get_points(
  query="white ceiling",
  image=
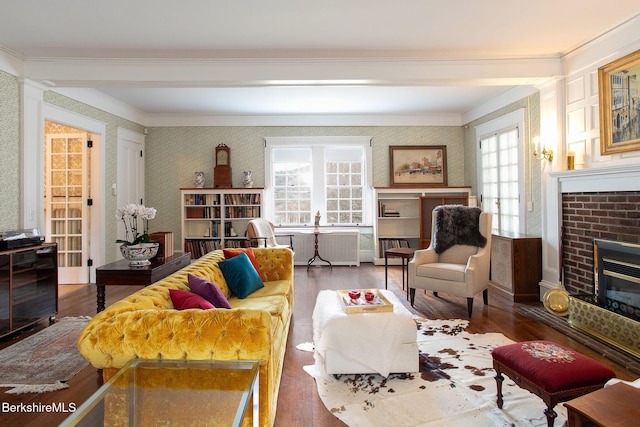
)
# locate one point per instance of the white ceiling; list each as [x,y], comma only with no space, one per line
[297,57]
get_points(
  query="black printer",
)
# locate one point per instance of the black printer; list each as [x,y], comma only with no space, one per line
[20,239]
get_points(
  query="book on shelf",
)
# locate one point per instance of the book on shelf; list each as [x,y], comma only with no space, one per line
[384,211]
[196,213]
[202,199]
[199,248]
[202,212]
[243,212]
[242,199]
[385,243]
[239,242]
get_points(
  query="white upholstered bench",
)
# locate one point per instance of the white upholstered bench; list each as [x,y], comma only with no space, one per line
[363,343]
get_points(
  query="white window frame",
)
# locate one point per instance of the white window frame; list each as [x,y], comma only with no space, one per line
[515,119]
[317,142]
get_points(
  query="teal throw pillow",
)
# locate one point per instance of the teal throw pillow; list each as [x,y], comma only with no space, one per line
[242,278]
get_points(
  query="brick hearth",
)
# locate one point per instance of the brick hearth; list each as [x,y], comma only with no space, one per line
[585,215]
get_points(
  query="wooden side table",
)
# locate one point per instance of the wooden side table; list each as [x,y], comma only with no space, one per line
[616,405]
[119,273]
[405,254]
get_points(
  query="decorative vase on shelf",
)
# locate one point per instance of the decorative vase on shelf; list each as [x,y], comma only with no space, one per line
[140,254]
[199,181]
[247,179]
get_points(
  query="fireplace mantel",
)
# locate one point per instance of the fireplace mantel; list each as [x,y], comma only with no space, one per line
[617,178]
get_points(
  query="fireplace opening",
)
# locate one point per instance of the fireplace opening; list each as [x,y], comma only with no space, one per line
[617,277]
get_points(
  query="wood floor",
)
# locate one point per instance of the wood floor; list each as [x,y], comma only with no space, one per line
[298,403]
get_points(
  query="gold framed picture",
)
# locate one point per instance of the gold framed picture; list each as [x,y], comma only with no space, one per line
[418,166]
[619,87]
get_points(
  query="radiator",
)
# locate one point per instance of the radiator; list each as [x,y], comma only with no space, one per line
[340,247]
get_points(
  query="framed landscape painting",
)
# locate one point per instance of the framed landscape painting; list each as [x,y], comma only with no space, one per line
[418,166]
[619,86]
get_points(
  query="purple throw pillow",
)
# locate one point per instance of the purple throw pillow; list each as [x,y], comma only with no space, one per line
[208,291]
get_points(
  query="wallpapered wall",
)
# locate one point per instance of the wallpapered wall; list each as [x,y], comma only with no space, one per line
[532,169]
[174,154]
[10,152]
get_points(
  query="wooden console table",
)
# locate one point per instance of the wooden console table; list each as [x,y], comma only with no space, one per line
[119,273]
[616,405]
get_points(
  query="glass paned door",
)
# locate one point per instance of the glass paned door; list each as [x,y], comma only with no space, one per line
[65,203]
[500,180]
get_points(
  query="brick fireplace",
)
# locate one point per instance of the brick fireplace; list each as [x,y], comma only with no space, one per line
[608,215]
[601,203]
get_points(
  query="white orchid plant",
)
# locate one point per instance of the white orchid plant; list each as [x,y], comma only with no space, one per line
[130,214]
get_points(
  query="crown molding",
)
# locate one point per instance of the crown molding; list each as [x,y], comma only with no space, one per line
[90,72]
[306,120]
[11,63]
[101,101]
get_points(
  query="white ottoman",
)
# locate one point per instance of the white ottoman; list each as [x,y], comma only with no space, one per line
[363,343]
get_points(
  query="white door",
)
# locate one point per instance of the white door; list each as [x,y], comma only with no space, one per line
[66,203]
[499,186]
[130,172]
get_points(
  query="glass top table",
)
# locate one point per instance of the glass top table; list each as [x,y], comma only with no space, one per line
[174,392]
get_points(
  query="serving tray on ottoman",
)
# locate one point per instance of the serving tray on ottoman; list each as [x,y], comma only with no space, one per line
[379,303]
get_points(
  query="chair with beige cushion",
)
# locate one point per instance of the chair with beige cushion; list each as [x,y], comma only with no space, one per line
[260,233]
[457,260]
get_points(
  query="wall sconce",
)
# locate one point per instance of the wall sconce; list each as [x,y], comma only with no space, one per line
[541,155]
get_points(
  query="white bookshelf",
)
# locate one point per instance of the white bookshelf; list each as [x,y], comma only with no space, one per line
[390,229]
[208,216]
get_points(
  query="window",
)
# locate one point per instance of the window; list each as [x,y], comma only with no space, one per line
[292,185]
[319,174]
[500,172]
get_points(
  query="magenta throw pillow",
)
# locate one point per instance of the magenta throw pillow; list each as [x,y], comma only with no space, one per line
[208,291]
[183,300]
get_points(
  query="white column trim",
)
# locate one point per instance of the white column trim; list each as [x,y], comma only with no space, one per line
[32,155]
[552,130]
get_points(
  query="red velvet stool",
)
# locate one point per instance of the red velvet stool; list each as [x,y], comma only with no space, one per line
[548,370]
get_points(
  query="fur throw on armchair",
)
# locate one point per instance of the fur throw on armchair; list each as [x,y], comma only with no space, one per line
[457,225]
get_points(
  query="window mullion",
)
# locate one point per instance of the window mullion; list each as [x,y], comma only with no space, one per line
[319,184]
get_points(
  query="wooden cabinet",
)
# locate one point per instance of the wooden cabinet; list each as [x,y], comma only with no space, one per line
[217,218]
[431,201]
[516,266]
[28,286]
[399,216]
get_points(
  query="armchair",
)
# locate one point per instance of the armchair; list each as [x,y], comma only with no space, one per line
[260,233]
[457,260]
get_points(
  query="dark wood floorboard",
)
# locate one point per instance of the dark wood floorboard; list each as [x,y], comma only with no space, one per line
[298,402]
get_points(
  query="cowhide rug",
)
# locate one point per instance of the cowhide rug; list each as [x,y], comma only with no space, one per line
[455,386]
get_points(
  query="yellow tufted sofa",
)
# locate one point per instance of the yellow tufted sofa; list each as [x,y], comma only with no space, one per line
[145,324]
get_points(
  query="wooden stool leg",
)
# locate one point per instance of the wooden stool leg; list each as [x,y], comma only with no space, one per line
[499,378]
[551,415]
